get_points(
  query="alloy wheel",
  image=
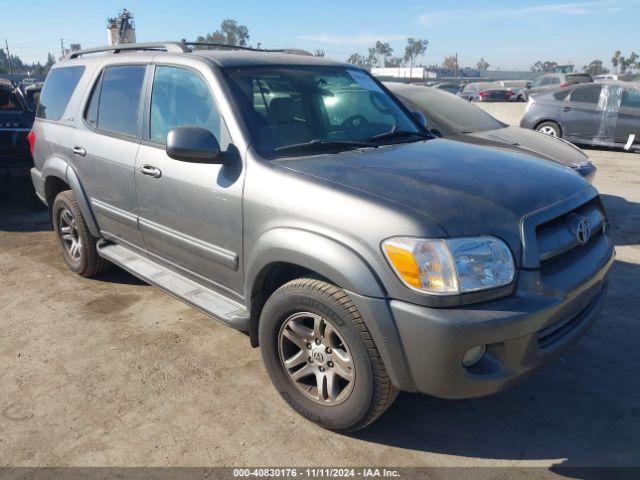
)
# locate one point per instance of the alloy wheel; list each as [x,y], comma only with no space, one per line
[69,234]
[316,358]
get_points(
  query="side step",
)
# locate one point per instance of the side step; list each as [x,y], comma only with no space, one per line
[204,299]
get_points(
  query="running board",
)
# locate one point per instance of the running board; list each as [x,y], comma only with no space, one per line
[204,299]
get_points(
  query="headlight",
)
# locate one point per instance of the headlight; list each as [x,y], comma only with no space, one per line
[450,266]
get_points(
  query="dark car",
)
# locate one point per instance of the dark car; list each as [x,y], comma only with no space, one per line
[553,81]
[451,117]
[16,119]
[486,92]
[447,87]
[601,114]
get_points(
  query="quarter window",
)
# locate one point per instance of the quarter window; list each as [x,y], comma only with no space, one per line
[631,98]
[179,98]
[57,91]
[115,100]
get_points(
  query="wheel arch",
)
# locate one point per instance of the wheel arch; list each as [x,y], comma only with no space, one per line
[58,175]
[283,254]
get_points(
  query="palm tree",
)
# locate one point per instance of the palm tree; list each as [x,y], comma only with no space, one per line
[615,60]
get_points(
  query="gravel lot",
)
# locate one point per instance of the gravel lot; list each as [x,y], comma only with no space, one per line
[111,371]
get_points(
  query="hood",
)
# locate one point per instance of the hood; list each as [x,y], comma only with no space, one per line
[467,189]
[532,142]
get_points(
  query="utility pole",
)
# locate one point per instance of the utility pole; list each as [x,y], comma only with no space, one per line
[61,48]
[8,56]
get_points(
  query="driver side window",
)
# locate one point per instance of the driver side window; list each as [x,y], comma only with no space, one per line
[180,97]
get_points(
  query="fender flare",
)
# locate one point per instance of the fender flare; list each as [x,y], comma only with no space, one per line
[327,257]
[56,167]
[345,267]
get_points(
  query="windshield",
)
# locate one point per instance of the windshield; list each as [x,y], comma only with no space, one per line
[318,108]
[446,113]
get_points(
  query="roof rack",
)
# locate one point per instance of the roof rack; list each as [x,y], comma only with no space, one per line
[170,47]
[177,47]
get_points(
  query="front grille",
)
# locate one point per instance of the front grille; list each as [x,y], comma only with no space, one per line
[560,235]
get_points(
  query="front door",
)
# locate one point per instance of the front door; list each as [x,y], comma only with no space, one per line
[580,115]
[190,213]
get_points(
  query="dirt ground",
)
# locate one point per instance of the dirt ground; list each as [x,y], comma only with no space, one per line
[111,371]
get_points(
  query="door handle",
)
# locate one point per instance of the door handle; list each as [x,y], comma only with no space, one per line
[567,109]
[151,171]
[79,151]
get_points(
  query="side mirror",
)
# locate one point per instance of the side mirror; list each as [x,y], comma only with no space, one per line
[421,118]
[193,144]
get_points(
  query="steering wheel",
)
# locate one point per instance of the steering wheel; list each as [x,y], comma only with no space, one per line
[354,121]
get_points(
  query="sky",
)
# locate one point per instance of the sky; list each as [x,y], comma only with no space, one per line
[510,35]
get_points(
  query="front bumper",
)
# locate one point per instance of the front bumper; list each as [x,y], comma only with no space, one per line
[521,333]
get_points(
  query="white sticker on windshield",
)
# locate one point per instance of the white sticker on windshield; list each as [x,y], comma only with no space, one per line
[364,80]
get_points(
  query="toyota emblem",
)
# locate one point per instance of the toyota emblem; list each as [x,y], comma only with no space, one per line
[583,231]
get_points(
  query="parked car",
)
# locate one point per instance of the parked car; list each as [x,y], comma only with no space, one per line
[451,117]
[553,81]
[294,198]
[448,87]
[602,114]
[605,78]
[514,85]
[485,92]
[16,120]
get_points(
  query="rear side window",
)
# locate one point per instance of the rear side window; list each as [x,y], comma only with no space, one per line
[9,101]
[58,88]
[574,79]
[115,100]
[587,94]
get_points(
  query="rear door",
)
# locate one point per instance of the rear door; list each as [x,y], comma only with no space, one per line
[105,146]
[628,123]
[579,115]
[190,213]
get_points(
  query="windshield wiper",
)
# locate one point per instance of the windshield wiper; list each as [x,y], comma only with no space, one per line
[395,133]
[318,142]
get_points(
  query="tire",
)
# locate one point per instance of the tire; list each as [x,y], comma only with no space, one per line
[550,128]
[76,241]
[302,304]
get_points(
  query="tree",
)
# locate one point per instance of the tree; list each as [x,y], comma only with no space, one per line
[544,67]
[414,48]
[394,62]
[318,53]
[357,59]
[615,60]
[595,68]
[450,63]
[483,65]
[379,54]
[229,33]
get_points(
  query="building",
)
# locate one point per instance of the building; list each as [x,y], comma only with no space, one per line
[121,29]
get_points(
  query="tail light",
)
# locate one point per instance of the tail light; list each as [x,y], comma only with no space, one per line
[32,142]
[563,85]
[483,94]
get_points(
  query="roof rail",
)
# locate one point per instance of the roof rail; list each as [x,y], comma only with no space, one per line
[221,45]
[170,47]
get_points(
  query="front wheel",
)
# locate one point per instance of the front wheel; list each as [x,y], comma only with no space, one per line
[550,128]
[321,357]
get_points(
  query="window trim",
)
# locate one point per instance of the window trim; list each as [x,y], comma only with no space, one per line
[98,80]
[146,121]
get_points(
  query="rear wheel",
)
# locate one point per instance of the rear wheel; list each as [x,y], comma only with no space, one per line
[550,128]
[321,357]
[78,244]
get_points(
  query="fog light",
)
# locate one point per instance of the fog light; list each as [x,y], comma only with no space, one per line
[473,355]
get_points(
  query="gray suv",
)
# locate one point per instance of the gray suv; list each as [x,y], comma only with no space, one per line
[295,199]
